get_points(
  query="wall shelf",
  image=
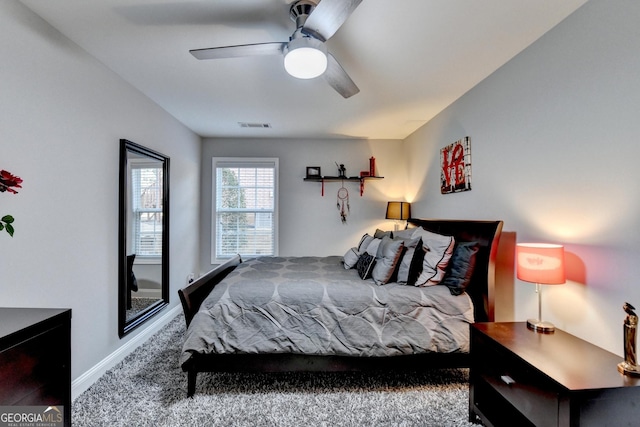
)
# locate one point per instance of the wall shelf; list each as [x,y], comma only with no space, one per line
[361,180]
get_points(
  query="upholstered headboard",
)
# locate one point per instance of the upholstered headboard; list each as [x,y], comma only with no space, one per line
[481,287]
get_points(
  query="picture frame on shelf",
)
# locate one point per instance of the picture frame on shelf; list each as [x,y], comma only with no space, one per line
[313,172]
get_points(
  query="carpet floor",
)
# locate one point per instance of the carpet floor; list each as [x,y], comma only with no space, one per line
[148,388]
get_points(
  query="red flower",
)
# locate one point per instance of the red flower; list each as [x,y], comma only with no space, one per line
[8,180]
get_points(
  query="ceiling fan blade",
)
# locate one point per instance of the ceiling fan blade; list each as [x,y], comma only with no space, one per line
[328,16]
[339,79]
[274,48]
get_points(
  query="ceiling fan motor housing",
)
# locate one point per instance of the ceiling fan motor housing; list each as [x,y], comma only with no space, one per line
[300,11]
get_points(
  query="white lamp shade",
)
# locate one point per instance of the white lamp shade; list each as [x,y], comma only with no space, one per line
[305,58]
[540,263]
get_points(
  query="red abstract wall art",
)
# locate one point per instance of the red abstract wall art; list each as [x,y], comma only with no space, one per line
[455,167]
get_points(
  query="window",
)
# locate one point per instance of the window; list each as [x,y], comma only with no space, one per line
[244,207]
[146,209]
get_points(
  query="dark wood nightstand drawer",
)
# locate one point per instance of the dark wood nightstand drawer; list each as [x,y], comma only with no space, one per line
[535,396]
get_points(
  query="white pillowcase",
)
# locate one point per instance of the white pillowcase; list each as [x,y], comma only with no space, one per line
[438,251]
[350,258]
[367,244]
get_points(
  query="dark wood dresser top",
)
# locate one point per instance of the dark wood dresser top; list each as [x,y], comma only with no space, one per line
[14,321]
[568,360]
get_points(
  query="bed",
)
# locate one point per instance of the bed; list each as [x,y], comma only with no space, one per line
[276,314]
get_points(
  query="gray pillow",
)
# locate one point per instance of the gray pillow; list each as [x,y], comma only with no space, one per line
[379,234]
[387,258]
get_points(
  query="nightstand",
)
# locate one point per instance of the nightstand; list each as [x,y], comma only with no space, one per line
[524,378]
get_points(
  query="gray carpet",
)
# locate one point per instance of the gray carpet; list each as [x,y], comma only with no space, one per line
[148,388]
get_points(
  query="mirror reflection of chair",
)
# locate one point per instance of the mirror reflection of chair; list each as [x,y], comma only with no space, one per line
[132,283]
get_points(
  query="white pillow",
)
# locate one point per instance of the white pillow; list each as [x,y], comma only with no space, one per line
[438,251]
[350,258]
[364,242]
[372,248]
[406,234]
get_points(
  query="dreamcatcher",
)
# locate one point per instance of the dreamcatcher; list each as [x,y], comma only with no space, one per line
[343,201]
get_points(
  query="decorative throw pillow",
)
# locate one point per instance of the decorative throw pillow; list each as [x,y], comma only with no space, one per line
[372,248]
[438,251]
[379,234]
[364,243]
[386,259]
[461,267]
[406,261]
[350,258]
[406,234]
[365,265]
[415,269]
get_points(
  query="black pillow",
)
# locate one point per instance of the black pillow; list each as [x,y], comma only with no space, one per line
[365,265]
[461,266]
[415,268]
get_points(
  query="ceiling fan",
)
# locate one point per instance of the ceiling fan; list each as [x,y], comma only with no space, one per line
[305,54]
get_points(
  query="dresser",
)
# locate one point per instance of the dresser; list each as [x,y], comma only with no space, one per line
[524,378]
[35,358]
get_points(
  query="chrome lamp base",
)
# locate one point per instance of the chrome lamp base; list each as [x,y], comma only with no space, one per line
[540,326]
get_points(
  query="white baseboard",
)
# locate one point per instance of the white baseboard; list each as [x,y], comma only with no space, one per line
[84,381]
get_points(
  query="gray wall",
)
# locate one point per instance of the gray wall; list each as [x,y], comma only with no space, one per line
[309,223]
[62,114]
[555,155]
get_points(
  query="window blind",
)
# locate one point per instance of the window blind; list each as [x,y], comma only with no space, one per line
[146,202]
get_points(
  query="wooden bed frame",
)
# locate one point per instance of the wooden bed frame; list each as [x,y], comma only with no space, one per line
[480,289]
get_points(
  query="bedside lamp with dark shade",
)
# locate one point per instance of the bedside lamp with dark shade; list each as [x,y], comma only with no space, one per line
[542,264]
[398,211]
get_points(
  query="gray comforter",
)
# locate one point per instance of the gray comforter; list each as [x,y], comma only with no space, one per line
[312,305]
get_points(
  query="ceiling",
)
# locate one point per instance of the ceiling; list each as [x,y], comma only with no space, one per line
[410,59]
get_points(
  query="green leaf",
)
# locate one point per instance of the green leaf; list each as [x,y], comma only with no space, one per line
[8,219]
[10,229]
[1,226]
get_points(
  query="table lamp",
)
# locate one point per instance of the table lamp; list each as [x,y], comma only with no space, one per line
[542,264]
[398,211]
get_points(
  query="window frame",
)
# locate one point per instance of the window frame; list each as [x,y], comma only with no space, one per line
[250,162]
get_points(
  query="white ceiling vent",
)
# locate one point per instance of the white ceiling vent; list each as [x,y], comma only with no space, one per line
[255,125]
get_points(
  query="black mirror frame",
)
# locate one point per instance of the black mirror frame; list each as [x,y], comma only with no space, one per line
[125,326]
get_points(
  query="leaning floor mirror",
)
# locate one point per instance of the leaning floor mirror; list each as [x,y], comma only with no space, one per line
[143,257]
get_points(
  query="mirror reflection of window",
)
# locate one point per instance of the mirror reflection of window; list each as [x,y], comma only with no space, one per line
[146,205]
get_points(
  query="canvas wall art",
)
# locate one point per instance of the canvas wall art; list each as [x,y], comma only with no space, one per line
[455,167]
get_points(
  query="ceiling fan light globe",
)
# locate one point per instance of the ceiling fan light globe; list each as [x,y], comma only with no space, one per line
[305,57]
[305,62]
